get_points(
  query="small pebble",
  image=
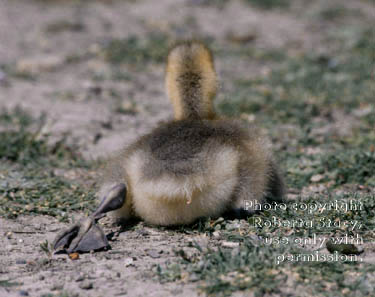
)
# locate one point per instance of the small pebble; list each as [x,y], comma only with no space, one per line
[232,226]
[86,285]
[74,256]
[153,254]
[129,262]
[216,234]
[95,90]
[194,277]
[218,221]
[316,178]
[23,293]
[230,244]
[20,261]
[57,287]
[80,278]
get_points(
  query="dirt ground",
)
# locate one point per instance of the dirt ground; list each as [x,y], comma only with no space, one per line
[57,44]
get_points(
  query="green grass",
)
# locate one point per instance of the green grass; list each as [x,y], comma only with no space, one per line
[16,117]
[302,87]
[44,193]
[136,51]
[338,164]
[305,92]
[6,283]
[351,167]
[29,184]
[251,53]
[220,271]
[225,271]
[22,145]
[336,12]
[269,4]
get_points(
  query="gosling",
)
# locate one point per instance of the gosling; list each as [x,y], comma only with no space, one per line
[197,165]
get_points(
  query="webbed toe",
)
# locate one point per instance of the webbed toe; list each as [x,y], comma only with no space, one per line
[84,236]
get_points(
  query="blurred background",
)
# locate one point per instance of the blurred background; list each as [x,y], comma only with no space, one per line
[81,79]
[89,76]
[96,68]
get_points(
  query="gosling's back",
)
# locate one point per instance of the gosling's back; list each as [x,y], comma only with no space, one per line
[196,165]
[182,171]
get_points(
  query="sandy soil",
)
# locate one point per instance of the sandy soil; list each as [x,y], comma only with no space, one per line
[122,271]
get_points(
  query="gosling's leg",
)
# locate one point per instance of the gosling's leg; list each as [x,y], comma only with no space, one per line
[86,235]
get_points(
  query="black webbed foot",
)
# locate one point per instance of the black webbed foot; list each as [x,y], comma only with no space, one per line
[86,235]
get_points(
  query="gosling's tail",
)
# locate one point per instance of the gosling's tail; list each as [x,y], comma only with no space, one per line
[191,81]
